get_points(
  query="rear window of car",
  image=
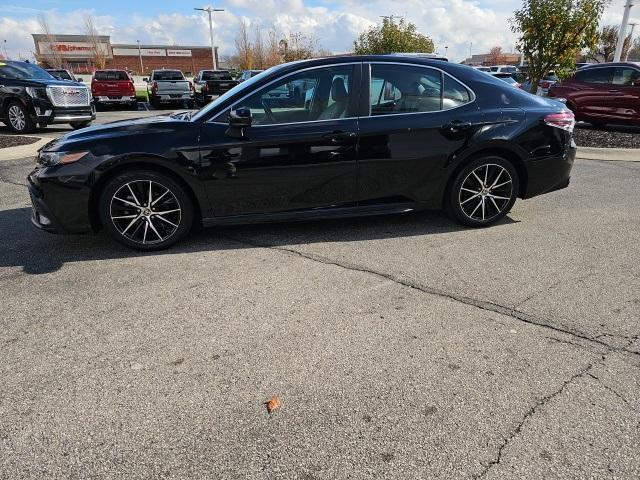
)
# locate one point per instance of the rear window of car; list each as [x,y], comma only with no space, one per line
[595,75]
[216,76]
[110,76]
[168,75]
[60,74]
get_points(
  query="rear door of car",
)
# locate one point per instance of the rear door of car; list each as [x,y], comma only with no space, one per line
[296,156]
[625,91]
[418,116]
[592,92]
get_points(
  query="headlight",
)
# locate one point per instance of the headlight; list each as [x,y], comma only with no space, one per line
[58,158]
[35,92]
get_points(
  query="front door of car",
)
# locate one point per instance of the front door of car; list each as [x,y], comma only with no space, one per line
[299,153]
[593,96]
[625,91]
[418,117]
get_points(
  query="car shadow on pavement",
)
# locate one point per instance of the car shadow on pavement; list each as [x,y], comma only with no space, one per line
[37,252]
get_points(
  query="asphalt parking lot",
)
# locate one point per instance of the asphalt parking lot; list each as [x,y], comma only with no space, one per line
[400,346]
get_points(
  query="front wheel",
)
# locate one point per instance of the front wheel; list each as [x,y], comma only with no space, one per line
[18,118]
[145,210]
[482,192]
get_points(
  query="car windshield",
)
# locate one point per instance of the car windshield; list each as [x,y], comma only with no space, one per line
[23,71]
[110,76]
[246,85]
[221,75]
[61,74]
[167,75]
[506,78]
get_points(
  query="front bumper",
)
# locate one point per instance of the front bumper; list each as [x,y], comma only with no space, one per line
[60,198]
[45,113]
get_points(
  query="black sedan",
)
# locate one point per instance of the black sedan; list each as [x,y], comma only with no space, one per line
[368,135]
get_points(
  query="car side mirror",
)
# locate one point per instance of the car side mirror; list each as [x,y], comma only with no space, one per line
[80,80]
[145,80]
[239,119]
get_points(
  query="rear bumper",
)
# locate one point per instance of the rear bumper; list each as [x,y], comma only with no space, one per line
[172,97]
[115,100]
[548,174]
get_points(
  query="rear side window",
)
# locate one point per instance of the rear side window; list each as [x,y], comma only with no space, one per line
[168,75]
[111,76]
[410,89]
[626,76]
[595,75]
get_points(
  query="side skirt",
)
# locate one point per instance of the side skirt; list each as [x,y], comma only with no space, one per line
[311,214]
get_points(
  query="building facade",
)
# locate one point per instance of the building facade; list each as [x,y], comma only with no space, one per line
[80,54]
[487,59]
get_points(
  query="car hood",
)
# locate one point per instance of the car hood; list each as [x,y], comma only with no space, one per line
[32,82]
[100,133]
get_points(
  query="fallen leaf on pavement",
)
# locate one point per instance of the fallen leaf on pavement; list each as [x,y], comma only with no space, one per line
[273,404]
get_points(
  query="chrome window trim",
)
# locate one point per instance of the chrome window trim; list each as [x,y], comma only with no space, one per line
[280,78]
[442,72]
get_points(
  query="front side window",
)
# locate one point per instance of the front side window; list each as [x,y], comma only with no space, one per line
[626,76]
[318,94]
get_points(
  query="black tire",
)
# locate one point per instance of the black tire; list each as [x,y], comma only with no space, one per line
[154,103]
[144,228]
[79,125]
[18,118]
[498,193]
[134,106]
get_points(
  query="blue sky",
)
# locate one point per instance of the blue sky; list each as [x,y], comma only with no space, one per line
[456,24]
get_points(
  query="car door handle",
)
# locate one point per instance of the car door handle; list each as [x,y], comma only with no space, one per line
[458,126]
[339,137]
[614,91]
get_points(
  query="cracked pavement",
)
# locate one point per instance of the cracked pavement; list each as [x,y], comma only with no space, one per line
[400,346]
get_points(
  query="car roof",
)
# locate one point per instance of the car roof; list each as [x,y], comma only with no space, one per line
[610,64]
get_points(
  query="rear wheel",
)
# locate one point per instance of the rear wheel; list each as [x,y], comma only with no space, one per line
[482,192]
[145,210]
[18,118]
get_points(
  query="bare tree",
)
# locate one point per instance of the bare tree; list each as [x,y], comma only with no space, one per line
[258,48]
[98,52]
[244,53]
[53,57]
[606,46]
[272,54]
[299,47]
[496,57]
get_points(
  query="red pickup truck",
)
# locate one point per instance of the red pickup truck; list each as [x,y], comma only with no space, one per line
[113,87]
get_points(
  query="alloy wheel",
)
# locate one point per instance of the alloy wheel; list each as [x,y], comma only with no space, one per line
[17,118]
[145,212]
[486,192]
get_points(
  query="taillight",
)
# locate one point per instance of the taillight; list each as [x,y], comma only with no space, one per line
[132,89]
[565,121]
[154,87]
[205,88]
[191,86]
[545,84]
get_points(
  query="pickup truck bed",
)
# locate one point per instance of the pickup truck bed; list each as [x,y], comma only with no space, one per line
[210,83]
[169,87]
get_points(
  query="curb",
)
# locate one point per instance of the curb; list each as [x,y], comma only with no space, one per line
[23,151]
[609,154]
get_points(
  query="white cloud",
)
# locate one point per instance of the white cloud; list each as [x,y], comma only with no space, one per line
[450,23]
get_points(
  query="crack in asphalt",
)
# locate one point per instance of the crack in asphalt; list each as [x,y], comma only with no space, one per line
[528,414]
[612,390]
[481,304]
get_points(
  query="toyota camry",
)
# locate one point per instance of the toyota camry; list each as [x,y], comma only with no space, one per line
[323,138]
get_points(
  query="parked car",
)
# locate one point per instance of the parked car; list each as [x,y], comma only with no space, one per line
[31,97]
[169,87]
[543,85]
[603,93]
[504,69]
[209,83]
[63,74]
[247,74]
[483,69]
[432,134]
[113,87]
[507,78]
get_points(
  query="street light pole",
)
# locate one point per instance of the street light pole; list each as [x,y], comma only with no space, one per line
[210,10]
[623,30]
[140,56]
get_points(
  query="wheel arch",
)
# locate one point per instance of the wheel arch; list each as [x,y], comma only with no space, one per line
[133,164]
[499,151]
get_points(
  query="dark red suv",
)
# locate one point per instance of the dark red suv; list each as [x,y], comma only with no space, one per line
[603,93]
